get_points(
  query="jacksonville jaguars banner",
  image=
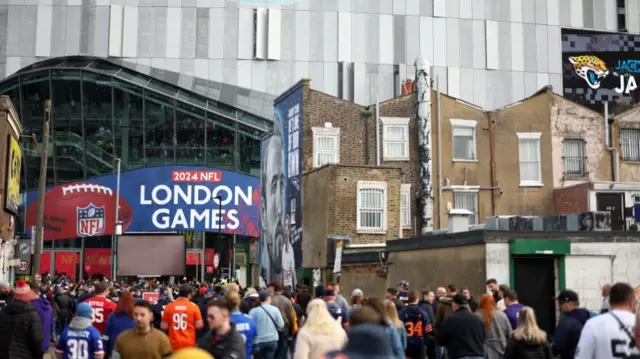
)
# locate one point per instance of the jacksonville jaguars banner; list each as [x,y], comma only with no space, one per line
[154,199]
[600,67]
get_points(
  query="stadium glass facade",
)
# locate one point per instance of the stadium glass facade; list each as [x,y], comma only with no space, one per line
[102,111]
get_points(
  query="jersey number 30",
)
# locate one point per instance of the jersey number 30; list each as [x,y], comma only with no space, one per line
[78,349]
[180,321]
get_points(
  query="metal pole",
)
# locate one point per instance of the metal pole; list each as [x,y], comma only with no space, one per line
[232,274]
[219,199]
[117,220]
[35,267]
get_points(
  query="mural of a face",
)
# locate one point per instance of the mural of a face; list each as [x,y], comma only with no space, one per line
[272,205]
[287,231]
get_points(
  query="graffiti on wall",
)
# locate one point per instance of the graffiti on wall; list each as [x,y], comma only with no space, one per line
[600,67]
[281,192]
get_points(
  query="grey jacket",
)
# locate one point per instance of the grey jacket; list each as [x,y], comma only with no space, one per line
[497,336]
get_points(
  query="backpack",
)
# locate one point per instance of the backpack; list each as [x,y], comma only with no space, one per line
[293,330]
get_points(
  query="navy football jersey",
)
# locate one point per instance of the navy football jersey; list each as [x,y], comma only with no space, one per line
[158,309]
[418,326]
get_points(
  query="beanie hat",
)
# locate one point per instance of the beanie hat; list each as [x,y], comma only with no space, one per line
[329,291]
[23,292]
[84,310]
[191,353]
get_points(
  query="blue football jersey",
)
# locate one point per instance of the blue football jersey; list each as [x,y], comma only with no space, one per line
[247,327]
[80,344]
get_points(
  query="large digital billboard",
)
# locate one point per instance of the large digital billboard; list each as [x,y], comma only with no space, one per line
[281,202]
[600,67]
[155,199]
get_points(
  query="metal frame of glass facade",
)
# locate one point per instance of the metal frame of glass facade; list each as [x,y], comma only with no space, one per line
[102,111]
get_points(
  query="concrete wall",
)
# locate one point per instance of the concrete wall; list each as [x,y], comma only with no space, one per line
[497,256]
[315,222]
[592,264]
[532,115]
[569,120]
[462,266]
[362,276]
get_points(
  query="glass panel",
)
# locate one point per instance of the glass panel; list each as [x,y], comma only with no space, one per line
[371,208]
[67,125]
[11,88]
[396,133]
[128,123]
[159,131]
[249,157]
[98,125]
[190,135]
[463,147]
[468,201]
[220,143]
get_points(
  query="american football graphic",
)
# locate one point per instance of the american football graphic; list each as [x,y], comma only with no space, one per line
[80,209]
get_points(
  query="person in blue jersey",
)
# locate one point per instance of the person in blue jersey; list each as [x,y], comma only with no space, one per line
[158,308]
[418,325]
[244,325]
[80,339]
[119,321]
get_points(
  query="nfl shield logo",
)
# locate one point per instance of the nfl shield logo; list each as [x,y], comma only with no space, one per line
[90,221]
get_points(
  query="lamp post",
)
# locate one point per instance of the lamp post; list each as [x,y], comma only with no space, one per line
[42,188]
[118,225]
[219,199]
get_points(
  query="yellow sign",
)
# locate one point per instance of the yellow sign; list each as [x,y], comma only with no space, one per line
[14,163]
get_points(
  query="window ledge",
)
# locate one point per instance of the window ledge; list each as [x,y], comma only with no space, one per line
[371,231]
[463,160]
[631,162]
[405,227]
[531,184]
[395,159]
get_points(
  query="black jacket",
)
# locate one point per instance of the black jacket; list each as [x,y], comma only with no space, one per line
[65,304]
[21,334]
[5,299]
[527,350]
[230,346]
[568,332]
[462,333]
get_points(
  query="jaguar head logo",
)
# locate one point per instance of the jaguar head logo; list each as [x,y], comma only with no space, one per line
[590,68]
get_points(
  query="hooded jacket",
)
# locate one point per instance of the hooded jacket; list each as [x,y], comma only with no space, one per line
[21,333]
[443,310]
[229,346]
[568,332]
[116,324]
[65,304]
[43,307]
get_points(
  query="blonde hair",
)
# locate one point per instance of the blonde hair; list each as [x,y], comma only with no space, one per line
[392,313]
[528,329]
[319,320]
[232,288]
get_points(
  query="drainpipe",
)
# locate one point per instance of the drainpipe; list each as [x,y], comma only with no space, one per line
[492,154]
[423,82]
[615,159]
[377,130]
[438,113]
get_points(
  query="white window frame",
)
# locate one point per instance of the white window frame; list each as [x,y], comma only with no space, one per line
[389,122]
[325,132]
[531,136]
[377,185]
[458,123]
[405,192]
[469,190]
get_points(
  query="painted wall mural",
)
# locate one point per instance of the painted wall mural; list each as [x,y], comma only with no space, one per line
[600,67]
[281,196]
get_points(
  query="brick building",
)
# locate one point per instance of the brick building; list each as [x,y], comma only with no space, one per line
[540,156]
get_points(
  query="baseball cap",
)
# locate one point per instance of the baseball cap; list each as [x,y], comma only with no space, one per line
[404,284]
[568,296]
[357,293]
[334,309]
[459,299]
[329,291]
[162,290]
